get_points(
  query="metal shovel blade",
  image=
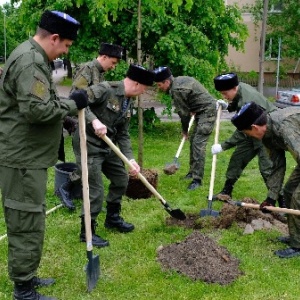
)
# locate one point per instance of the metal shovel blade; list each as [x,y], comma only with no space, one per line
[176,213]
[92,270]
[209,211]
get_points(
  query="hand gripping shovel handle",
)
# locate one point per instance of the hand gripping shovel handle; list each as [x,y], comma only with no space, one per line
[183,139]
[174,213]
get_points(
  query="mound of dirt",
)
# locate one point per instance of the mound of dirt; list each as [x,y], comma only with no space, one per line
[200,257]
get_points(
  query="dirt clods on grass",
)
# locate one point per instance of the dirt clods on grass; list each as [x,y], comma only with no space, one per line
[200,257]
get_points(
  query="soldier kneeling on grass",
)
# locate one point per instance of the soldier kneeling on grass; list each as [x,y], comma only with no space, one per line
[279,132]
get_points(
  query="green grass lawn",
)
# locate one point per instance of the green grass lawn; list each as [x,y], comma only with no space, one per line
[129,269]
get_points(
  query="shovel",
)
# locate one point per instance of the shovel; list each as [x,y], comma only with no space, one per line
[171,168]
[209,211]
[270,208]
[93,266]
[175,213]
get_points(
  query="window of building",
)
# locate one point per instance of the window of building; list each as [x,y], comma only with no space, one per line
[272,48]
[276,7]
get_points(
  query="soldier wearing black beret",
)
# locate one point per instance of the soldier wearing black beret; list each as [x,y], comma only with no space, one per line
[31,124]
[110,107]
[246,148]
[279,132]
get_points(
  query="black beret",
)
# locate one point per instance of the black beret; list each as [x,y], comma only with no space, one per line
[111,50]
[162,73]
[60,23]
[247,116]
[225,82]
[140,74]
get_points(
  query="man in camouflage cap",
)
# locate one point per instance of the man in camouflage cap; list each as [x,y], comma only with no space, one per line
[279,132]
[30,128]
[110,111]
[246,148]
[89,74]
[191,98]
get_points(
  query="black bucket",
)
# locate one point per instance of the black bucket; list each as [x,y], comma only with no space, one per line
[62,173]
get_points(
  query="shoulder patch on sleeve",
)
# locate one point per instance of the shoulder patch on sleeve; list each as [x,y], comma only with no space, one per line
[39,89]
[81,82]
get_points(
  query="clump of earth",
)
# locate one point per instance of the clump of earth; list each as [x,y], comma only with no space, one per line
[200,257]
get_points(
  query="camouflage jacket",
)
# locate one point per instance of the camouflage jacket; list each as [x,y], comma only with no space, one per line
[282,135]
[190,96]
[245,94]
[31,111]
[109,104]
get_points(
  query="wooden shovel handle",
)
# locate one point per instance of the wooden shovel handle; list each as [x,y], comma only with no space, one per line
[214,158]
[183,139]
[272,208]
[108,141]
[85,180]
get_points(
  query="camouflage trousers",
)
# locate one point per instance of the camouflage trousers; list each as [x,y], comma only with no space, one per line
[198,142]
[244,152]
[23,198]
[292,198]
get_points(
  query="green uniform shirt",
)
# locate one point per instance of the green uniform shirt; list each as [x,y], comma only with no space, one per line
[31,111]
[282,135]
[107,101]
[245,94]
[190,96]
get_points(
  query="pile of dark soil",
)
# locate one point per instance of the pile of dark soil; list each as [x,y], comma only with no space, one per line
[136,189]
[199,256]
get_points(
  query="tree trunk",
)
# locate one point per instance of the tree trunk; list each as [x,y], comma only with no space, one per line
[262,47]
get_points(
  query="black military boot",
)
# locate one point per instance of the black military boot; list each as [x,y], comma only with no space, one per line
[64,194]
[97,240]
[281,201]
[194,184]
[25,291]
[225,194]
[113,219]
[41,282]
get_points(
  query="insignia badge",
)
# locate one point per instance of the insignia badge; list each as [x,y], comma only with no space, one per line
[38,89]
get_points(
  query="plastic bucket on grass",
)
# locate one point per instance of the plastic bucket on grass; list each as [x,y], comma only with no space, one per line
[62,173]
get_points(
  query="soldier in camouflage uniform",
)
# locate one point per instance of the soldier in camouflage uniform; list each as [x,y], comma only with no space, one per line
[239,93]
[30,126]
[191,98]
[279,132]
[110,111]
[90,73]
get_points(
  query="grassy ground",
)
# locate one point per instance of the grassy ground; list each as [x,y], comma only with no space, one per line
[129,269]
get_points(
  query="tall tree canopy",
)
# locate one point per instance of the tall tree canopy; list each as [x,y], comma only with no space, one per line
[191,36]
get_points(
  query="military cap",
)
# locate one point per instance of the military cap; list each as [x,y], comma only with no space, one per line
[225,82]
[140,74]
[247,116]
[111,50]
[60,23]
[162,73]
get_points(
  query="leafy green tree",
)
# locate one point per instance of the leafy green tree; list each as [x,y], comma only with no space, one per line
[283,22]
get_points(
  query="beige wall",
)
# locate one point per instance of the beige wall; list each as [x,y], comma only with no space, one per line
[249,59]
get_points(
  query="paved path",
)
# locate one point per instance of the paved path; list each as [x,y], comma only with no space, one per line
[147,100]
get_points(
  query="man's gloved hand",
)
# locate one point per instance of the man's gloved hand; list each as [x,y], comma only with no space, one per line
[268,202]
[216,148]
[81,98]
[70,124]
[223,103]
